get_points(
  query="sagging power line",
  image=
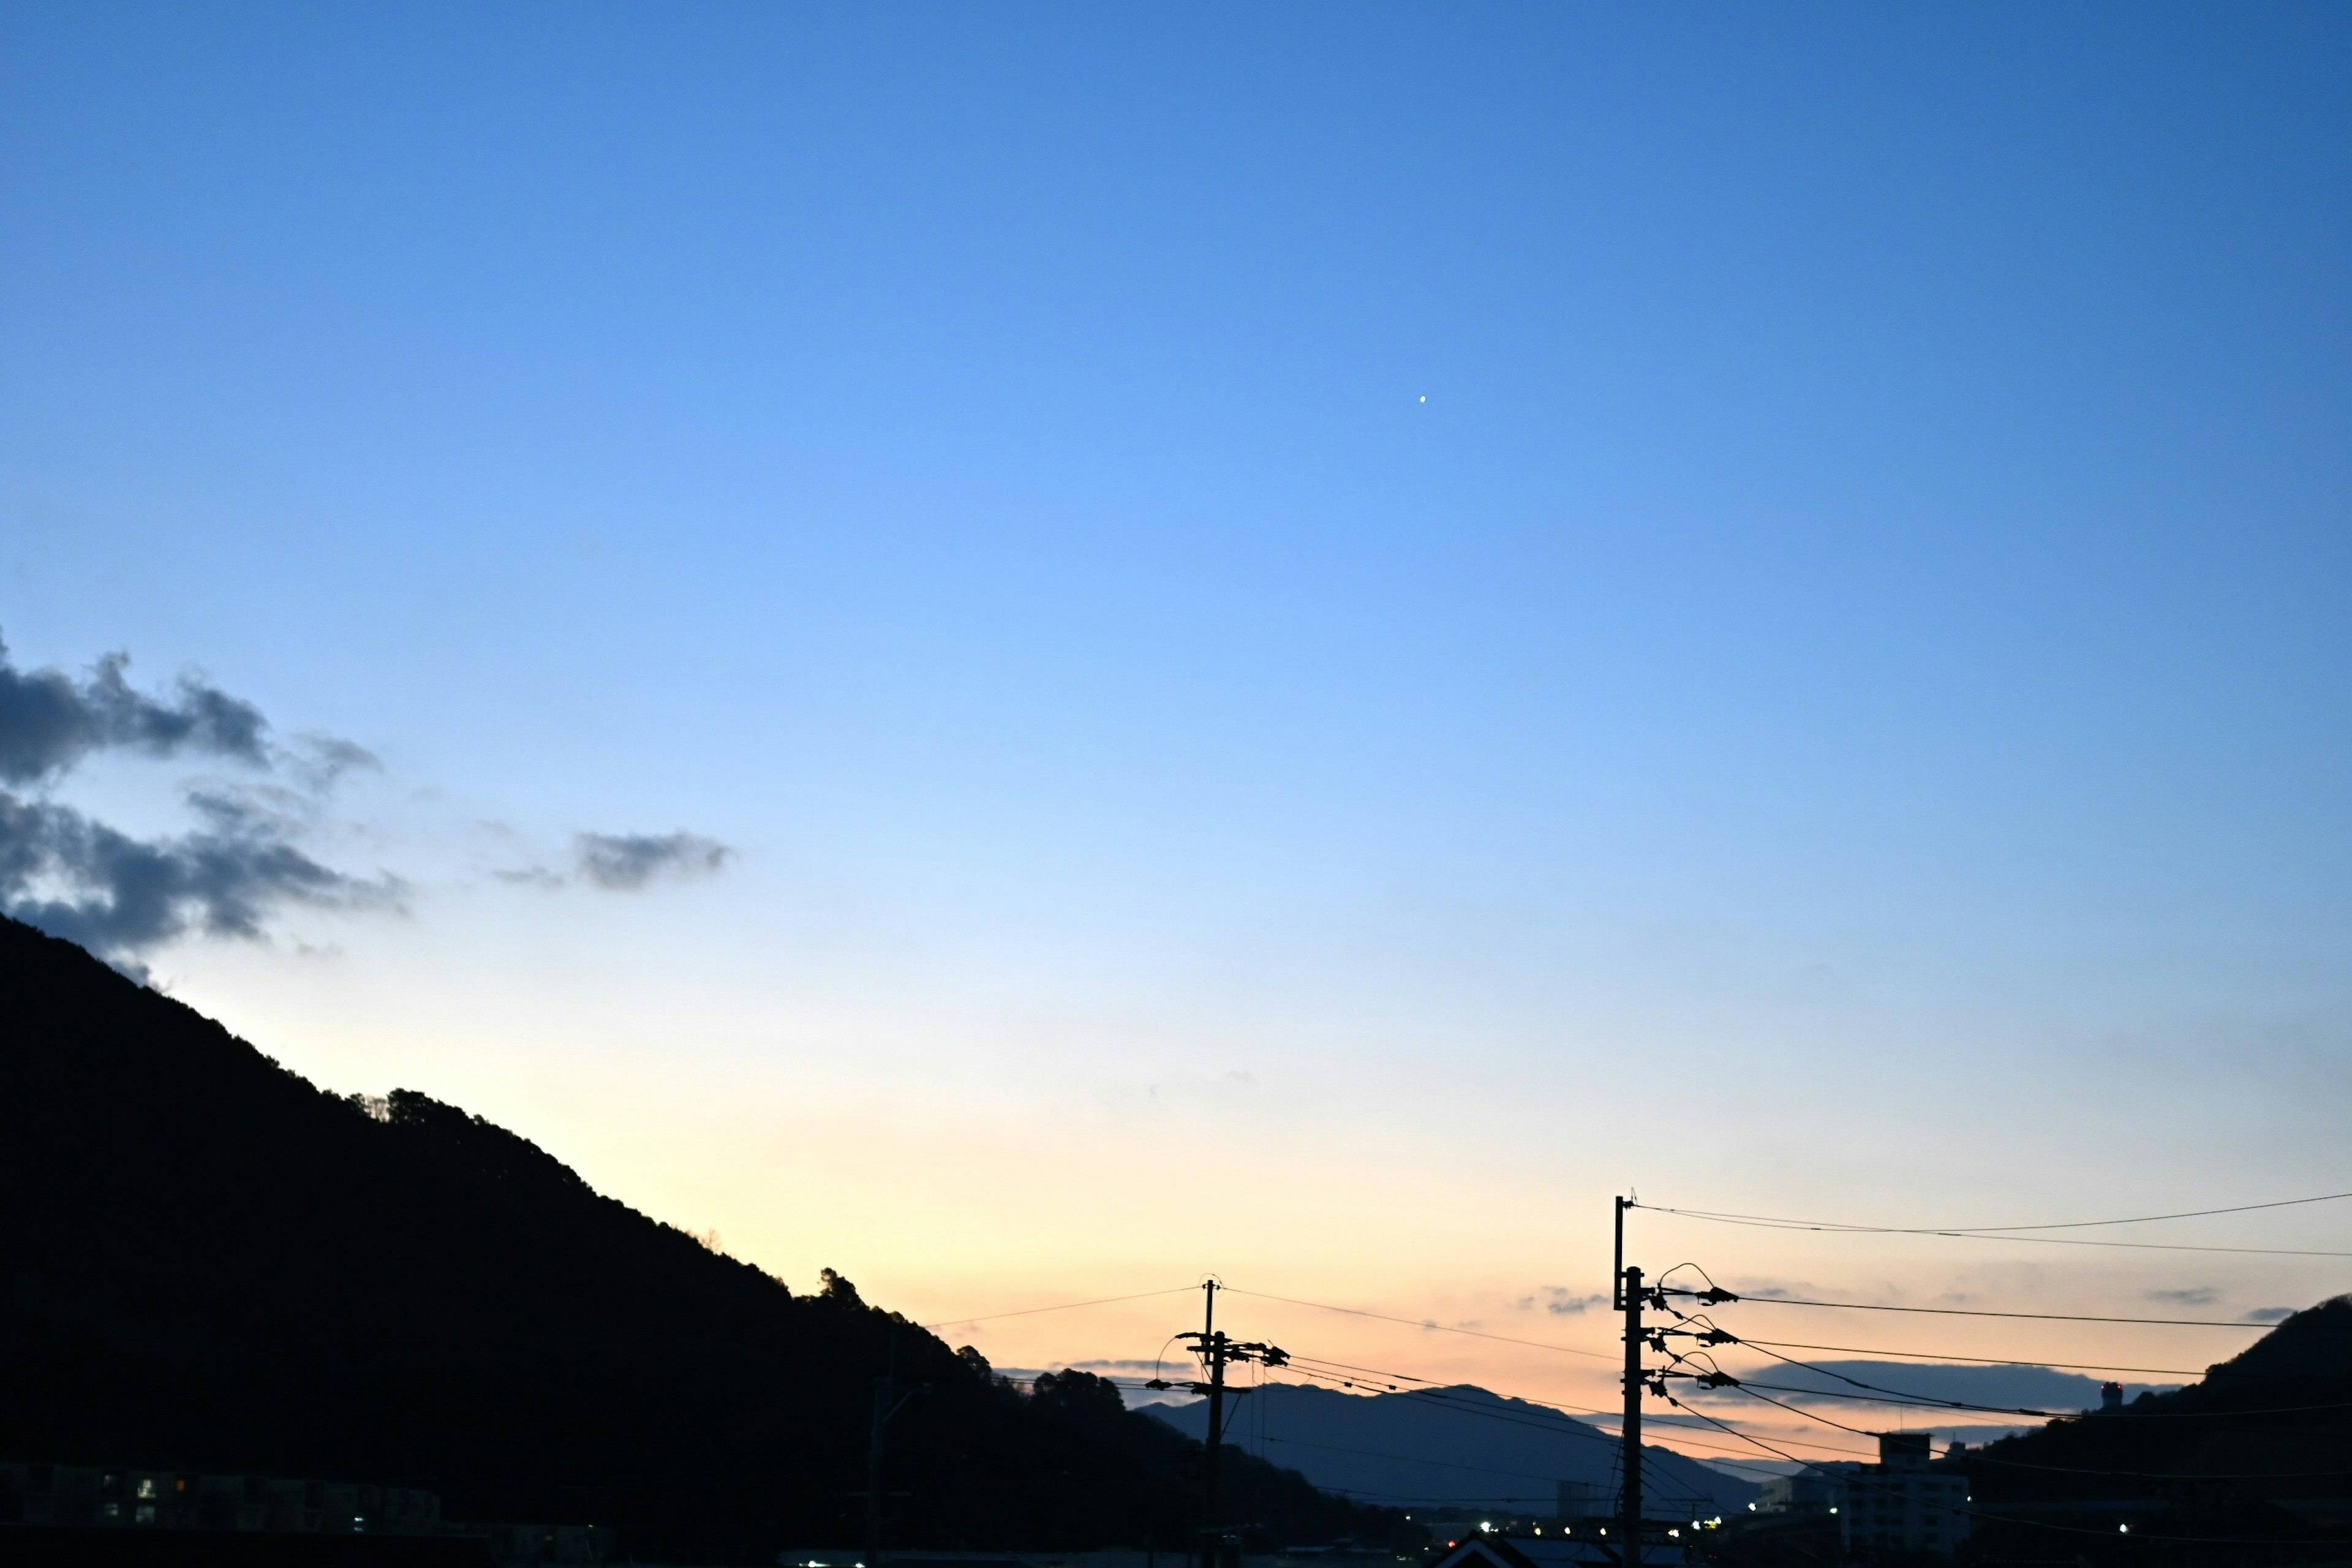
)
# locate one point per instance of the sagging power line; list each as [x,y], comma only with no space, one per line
[1981,1229]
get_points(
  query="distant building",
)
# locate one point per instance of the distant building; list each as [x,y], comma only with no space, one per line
[111,1497]
[1811,1493]
[107,1497]
[1586,1500]
[1905,1502]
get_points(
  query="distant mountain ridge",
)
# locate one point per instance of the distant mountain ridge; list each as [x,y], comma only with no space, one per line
[1461,1447]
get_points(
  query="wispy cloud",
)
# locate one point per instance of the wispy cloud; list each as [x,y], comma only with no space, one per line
[624,862]
[2270,1314]
[1559,1301]
[2188,1295]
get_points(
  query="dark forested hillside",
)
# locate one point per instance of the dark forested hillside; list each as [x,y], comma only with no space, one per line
[209,1263]
[2256,1455]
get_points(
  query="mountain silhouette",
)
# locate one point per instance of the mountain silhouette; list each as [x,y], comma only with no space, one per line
[1458,1448]
[211,1265]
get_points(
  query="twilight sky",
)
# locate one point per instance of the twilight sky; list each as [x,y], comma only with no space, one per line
[1029,651]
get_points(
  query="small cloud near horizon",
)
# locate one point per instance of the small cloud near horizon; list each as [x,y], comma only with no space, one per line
[1559,1301]
[2270,1314]
[2189,1296]
[624,862]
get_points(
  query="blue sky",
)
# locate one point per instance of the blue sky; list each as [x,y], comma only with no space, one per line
[1317,587]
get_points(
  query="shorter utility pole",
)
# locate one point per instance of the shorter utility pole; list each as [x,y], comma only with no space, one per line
[887,1403]
[1217,1351]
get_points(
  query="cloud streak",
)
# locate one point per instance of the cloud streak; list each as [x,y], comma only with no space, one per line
[2187,1296]
[624,862]
[1559,1301]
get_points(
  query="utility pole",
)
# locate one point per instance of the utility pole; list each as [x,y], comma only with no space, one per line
[1214,1343]
[1218,1350]
[1626,1281]
[887,1403]
[1630,1297]
[1629,1510]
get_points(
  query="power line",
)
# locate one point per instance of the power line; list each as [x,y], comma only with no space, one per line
[1862,1481]
[1968,1229]
[1829,1229]
[1759,1443]
[1420,1323]
[1306,1364]
[1565,1426]
[1749,1389]
[1879,1396]
[1980,1313]
[1411,1459]
[1433,1501]
[1974,1512]
[1874,1388]
[1979,1359]
[1063,1307]
[1562,1426]
[1989,1236]
[2045,1414]
[1566,1423]
[1913,1403]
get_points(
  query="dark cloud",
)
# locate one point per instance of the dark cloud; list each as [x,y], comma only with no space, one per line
[1559,1301]
[624,862]
[2189,1296]
[49,722]
[119,896]
[2270,1314]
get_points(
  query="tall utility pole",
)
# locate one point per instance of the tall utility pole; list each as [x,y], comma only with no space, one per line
[1627,1284]
[1217,1351]
[1629,1509]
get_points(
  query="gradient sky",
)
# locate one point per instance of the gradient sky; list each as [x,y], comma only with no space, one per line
[1320,634]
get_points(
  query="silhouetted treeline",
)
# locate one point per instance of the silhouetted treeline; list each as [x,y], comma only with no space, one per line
[209,1263]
